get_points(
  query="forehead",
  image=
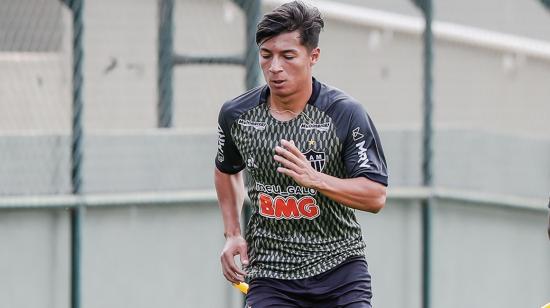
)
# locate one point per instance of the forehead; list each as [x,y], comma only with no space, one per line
[283,42]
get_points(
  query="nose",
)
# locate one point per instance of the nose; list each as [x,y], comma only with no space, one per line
[275,66]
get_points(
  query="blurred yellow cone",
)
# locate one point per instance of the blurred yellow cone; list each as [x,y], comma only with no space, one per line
[243,287]
[546,306]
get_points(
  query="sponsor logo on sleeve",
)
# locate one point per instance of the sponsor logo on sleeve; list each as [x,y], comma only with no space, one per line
[253,124]
[221,143]
[362,153]
[356,134]
[322,127]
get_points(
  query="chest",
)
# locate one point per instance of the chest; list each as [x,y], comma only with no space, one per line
[257,134]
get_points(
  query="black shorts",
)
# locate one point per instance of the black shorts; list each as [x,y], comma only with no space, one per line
[347,285]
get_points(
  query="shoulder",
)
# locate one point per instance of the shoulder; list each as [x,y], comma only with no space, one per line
[337,103]
[235,107]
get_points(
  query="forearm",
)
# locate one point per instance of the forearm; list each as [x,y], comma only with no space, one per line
[230,191]
[358,193]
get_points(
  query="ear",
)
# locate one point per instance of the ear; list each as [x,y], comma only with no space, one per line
[314,55]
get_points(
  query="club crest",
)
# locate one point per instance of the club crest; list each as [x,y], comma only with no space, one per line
[316,159]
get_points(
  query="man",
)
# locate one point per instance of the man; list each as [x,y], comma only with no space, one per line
[312,157]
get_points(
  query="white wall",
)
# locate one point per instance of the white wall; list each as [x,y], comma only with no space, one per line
[168,255]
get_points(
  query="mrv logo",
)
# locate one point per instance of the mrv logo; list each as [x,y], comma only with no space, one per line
[221,143]
[288,208]
[362,153]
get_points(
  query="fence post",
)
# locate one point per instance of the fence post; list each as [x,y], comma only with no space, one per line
[427,153]
[252,9]
[165,63]
[77,212]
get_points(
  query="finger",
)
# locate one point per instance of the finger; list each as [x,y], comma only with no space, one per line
[288,155]
[232,276]
[291,146]
[238,278]
[288,172]
[244,255]
[226,272]
[229,277]
[231,267]
[286,163]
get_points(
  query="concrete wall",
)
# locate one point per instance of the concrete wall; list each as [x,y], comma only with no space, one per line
[34,259]
[173,160]
[133,257]
[160,255]
[490,257]
[163,256]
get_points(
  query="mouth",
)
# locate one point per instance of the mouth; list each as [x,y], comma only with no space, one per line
[277,82]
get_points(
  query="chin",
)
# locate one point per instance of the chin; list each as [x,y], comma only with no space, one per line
[285,91]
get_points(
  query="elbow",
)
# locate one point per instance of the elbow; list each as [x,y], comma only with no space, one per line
[379,201]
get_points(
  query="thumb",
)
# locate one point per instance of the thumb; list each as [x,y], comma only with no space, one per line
[244,255]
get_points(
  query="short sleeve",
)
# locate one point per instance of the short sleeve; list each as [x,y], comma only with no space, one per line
[362,150]
[228,158]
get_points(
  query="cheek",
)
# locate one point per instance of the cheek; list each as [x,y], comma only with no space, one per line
[264,64]
[265,69]
[299,69]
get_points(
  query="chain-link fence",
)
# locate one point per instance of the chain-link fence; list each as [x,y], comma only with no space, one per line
[125,78]
[126,59]
[35,102]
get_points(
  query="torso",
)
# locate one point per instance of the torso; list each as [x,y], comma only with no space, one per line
[294,232]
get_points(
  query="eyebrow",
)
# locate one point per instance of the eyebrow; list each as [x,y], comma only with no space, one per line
[284,51]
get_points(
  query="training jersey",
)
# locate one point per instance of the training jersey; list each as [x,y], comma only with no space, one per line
[295,232]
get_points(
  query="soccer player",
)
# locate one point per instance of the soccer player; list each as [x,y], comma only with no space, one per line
[313,157]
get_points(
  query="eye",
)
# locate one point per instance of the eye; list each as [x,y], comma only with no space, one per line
[265,56]
[289,57]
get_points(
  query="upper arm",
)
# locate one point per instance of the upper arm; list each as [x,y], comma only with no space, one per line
[362,150]
[228,158]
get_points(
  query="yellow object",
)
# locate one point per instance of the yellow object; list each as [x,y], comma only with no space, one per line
[546,306]
[243,287]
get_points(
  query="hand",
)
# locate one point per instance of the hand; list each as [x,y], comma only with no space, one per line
[296,165]
[234,245]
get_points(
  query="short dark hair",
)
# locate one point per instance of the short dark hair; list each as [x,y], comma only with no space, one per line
[290,17]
